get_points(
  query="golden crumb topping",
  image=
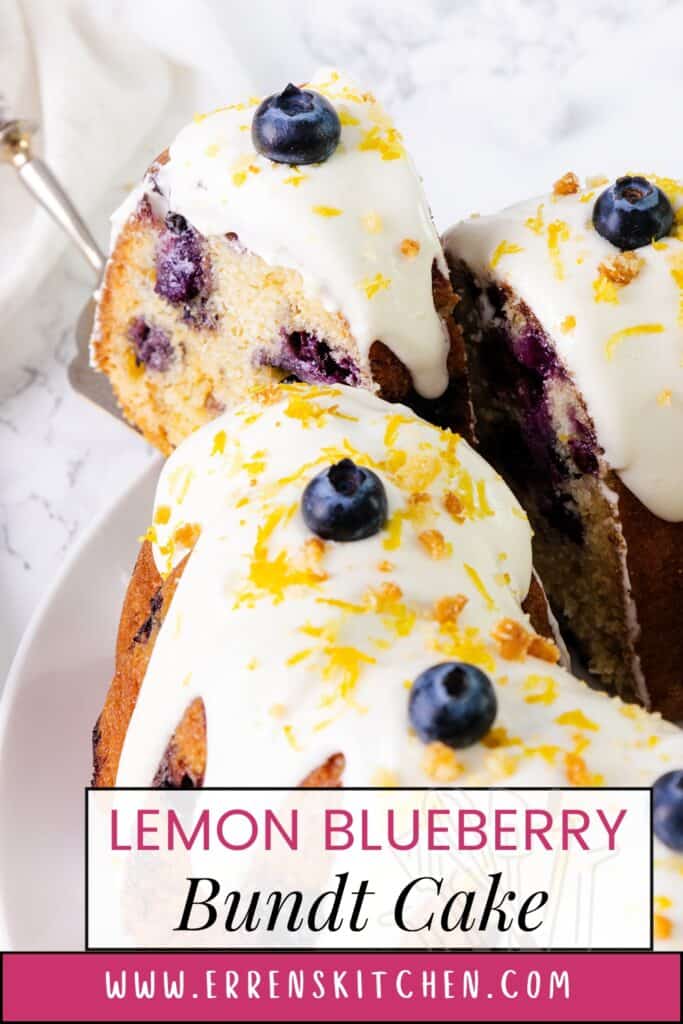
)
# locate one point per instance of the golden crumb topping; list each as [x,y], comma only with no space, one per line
[435,544]
[622,268]
[447,609]
[567,185]
[409,247]
[515,642]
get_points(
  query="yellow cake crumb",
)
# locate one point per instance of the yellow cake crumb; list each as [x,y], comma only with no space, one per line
[568,324]
[134,366]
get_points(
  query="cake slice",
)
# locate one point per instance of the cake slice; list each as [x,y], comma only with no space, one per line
[284,237]
[331,593]
[571,307]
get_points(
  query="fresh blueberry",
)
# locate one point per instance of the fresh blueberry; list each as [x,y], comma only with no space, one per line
[296,126]
[667,815]
[345,502]
[454,703]
[152,346]
[180,275]
[631,213]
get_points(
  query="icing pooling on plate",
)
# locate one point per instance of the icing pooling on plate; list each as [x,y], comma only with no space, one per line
[300,651]
[357,227]
[622,343]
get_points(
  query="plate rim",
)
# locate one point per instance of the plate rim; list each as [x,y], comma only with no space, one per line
[18,662]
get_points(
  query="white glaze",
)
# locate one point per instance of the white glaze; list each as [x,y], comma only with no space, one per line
[634,388]
[341,223]
[271,718]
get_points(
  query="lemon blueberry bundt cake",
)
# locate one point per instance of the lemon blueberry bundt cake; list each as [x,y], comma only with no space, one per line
[290,236]
[386,564]
[573,314]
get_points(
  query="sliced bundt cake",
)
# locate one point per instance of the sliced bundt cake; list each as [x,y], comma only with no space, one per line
[290,236]
[571,306]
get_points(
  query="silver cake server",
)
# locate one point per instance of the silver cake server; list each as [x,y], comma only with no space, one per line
[16,136]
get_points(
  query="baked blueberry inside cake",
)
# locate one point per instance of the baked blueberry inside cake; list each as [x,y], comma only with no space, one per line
[571,311]
[287,236]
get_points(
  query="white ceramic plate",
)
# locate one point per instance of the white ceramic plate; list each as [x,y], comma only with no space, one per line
[52,697]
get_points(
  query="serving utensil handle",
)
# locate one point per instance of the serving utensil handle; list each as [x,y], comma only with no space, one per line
[15,149]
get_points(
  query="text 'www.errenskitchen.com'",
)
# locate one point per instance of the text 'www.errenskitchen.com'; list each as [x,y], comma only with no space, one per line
[337,985]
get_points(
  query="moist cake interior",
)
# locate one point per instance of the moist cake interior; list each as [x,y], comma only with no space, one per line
[534,427]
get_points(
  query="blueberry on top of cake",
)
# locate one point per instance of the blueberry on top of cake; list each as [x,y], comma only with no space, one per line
[277,236]
[572,310]
[395,655]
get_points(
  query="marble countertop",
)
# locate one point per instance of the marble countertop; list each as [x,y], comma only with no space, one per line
[496,100]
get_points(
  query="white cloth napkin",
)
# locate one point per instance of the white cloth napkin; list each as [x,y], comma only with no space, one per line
[109,83]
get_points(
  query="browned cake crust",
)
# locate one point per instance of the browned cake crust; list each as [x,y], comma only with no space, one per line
[145,606]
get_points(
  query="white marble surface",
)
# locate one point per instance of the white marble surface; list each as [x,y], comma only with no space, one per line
[497,99]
